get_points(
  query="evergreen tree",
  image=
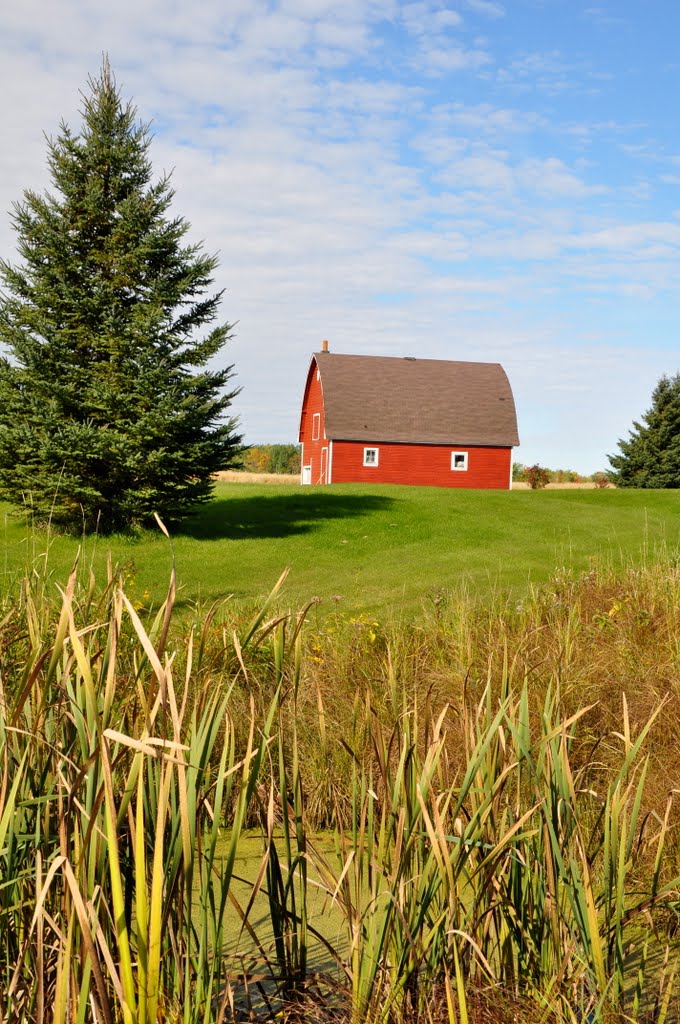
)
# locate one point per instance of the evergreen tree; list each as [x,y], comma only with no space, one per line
[108,412]
[650,457]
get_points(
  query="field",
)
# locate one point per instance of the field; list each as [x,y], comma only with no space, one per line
[474,799]
[385,551]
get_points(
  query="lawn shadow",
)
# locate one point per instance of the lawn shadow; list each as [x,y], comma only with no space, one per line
[277,515]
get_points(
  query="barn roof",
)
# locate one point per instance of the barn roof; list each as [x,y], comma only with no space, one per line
[431,401]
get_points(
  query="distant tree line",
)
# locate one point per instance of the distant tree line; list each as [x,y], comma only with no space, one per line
[271,458]
[539,476]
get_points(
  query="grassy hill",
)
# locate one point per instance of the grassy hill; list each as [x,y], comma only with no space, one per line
[382,549]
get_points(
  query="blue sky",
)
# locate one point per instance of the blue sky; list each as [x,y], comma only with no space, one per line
[473,180]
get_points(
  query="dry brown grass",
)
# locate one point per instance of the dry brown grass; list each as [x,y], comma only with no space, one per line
[596,639]
[233,476]
[587,485]
[483,1007]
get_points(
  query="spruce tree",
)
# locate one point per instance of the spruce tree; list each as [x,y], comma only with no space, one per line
[650,457]
[108,410]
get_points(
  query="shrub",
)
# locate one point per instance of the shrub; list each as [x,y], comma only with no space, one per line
[537,476]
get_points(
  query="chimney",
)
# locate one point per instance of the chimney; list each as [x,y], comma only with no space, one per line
[324,346]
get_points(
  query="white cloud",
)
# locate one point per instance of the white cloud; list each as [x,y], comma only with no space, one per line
[437,60]
[634,238]
[485,119]
[422,19]
[487,7]
[551,177]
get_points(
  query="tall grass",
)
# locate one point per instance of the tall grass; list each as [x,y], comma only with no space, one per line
[502,841]
[116,785]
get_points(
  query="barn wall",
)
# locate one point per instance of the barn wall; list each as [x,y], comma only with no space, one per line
[312,450]
[422,464]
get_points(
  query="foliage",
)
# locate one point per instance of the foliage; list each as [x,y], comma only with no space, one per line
[650,456]
[272,458]
[115,822]
[555,476]
[537,477]
[484,848]
[108,412]
[565,476]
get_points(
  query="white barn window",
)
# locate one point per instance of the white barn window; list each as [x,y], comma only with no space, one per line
[459,461]
[371,456]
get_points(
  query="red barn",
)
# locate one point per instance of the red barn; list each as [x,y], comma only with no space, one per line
[375,419]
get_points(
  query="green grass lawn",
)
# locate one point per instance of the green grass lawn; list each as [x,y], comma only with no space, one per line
[381,549]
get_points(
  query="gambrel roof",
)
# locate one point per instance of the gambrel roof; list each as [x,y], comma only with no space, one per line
[429,401]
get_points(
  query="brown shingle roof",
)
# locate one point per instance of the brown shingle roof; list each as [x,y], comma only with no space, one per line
[433,401]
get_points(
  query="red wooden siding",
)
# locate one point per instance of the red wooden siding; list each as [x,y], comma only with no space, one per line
[311,450]
[422,464]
